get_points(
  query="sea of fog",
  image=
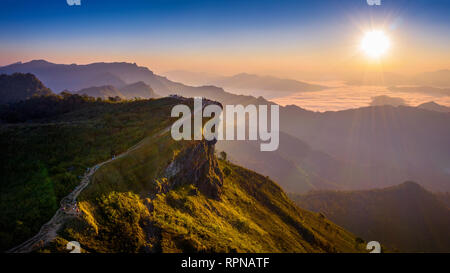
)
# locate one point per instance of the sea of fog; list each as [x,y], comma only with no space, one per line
[342,97]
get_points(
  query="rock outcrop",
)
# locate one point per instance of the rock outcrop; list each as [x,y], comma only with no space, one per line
[198,166]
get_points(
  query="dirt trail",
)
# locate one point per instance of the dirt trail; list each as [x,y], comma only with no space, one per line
[48,231]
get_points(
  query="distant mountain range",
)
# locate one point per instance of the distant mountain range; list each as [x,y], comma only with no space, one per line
[59,77]
[405,217]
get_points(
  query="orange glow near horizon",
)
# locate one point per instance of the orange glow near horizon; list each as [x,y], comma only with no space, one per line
[337,59]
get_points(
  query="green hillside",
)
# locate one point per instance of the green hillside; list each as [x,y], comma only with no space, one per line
[162,196]
[250,214]
[43,158]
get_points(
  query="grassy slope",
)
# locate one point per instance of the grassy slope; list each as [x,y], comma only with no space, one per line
[123,213]
[41,160]
[254,215]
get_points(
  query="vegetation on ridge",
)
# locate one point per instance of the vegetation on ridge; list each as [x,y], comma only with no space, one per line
[44,158]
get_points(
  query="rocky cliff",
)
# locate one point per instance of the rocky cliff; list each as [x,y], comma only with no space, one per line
[198,166]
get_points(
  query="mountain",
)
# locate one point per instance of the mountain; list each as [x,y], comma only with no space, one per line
[138,90]
[144,191]
[103,92]
[432,106]
[393,142]
[405,217]
[258,84]
[20,86]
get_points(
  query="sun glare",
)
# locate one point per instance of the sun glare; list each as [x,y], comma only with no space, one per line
[375,43]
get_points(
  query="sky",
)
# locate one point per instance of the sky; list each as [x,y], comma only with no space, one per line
[297,39]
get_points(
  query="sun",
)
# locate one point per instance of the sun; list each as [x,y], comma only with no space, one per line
[375,44]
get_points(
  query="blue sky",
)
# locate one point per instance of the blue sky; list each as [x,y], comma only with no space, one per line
[169,34]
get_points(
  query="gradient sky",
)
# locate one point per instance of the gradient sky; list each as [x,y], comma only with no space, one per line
[286,38]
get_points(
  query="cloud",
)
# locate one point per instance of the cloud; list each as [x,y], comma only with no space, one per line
[346,97]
